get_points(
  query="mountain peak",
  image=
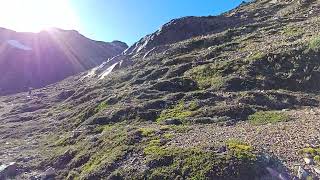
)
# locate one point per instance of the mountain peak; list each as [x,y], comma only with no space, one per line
[53,55]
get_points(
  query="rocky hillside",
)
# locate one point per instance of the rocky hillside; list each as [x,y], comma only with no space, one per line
[38,59]
[235,98]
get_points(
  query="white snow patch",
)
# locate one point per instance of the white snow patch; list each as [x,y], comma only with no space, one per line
[19,45]
[107,71]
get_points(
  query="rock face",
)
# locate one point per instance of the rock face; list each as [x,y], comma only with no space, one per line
[9,170]
[183,28]
[38,59]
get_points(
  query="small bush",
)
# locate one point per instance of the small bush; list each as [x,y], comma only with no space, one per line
[292,31]
[240,149]
[317,159]
[180,111]
[266,117]
[256,56]
[147,132]
[195,163]
[314,44]
[207,76]
[313,152]
[102,106]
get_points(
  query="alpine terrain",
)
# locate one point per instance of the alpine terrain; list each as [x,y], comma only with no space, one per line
[234,96]
[34,60]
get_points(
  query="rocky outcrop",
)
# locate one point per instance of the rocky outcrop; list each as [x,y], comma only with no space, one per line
[182,29]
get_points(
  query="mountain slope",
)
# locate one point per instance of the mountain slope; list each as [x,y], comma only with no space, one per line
[237,102]
[38,59]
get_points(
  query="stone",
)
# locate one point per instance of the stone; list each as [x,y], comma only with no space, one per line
[266,158]
[9,170]
[222,149]
[308,161]
[317,170]
[302,174]
[50,172]
[172,122]
[63,160]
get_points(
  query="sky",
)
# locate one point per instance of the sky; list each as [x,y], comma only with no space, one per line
[105,20]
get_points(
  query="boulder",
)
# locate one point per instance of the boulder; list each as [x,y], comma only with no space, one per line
[49,173]
[302,174]
[64,95]
[176,85]
[9,170]
[308,161]
[171,122]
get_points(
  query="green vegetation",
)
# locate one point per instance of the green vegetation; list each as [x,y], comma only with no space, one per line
[196,163]
[154,148]
[113,148]
[180,111]
[292,31]
[313,152]
[309,150]
[102,106]
[168,136]
[266,117]
[240,149]
[256,56]
[317,159]
[147,132]
[207,76]
[314,44]
[64,141]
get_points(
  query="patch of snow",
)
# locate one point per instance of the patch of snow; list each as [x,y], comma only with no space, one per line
[107,71]
[93,72]
[19,45]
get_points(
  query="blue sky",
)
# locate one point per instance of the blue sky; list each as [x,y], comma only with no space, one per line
[130,20]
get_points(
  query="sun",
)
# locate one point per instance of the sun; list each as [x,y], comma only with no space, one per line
[37,15]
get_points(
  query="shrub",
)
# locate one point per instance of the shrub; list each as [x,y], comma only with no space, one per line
[102,106]
[265,117]
[207,76]
[180,111]
[314,44]
[147,132]
[256,56]
[312,152]
[292,31]
[196,163]
[317,159]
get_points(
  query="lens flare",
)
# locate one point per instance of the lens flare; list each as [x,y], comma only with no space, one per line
[37,15]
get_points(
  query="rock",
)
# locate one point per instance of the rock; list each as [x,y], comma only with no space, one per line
[9,170]
[275,174]
[61,161]
[172,122]
[203,120]
[317,170]
[302,174]
[176,85]
[64,95]
[308,161]
[48,173]
[222,149]
[266,158]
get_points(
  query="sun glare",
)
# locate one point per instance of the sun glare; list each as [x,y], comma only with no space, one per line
[37,15]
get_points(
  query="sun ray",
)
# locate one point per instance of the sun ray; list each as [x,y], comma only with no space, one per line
[36,15]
